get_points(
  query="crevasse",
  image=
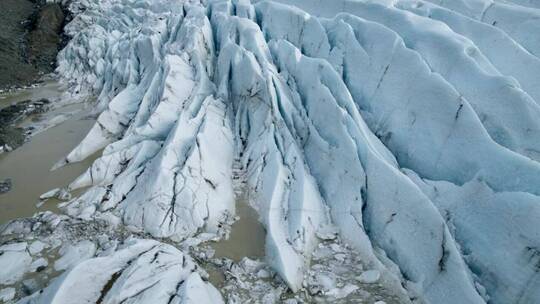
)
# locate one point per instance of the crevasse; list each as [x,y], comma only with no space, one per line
[411,126]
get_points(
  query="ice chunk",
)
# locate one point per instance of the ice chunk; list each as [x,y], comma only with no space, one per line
[72,255]
[36,247]
[369,277]
[7,294]
[14,262]
[39,264]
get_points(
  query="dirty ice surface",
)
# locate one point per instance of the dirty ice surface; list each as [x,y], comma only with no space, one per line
[390,151]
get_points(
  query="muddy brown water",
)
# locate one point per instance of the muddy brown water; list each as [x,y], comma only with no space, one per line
[247,236]
[48,89]
[29,165]
[246,239]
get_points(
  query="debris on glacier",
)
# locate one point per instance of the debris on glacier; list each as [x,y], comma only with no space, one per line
[330,277]
[113,265]
[138,271]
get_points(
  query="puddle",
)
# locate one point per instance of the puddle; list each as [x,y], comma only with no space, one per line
[216,276]
[29,166]
[246,239]
[247,236]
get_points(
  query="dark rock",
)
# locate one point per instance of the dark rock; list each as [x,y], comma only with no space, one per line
[12,136]
[5,186]
[40,268]
[30,37]
[45,38]
[14,69]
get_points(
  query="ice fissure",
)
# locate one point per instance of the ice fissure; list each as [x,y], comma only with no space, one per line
[410,126]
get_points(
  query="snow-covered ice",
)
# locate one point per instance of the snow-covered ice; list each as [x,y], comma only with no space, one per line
[72,255]
[142,271]
[401,133]
[7,294]
[96,263]
[370,276]
[14,262]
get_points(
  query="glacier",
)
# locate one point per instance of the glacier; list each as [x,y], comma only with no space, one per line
[402,135]
[97,267]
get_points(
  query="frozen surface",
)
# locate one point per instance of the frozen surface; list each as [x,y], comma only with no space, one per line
[72,255]
[14,262]
[7,294]
[139,271]
[406,129]
[92,262]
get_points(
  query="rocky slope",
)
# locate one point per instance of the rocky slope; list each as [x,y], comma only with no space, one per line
[30,37]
